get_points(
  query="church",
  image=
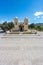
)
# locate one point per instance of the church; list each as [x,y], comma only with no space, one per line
[18,26]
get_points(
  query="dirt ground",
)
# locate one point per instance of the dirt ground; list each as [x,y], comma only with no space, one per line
[21,49]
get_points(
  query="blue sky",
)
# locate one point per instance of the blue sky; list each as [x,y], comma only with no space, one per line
[33,9]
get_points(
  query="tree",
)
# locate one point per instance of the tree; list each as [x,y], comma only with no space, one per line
[7,26]
[32,26]
[10,25]
[38,28]
[4,26]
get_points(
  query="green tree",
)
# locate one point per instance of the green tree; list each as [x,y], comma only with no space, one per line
[7,26]
[32,26]
[4,26]
[10,25]
[38,28]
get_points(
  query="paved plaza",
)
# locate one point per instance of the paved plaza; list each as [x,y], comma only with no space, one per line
[21,49]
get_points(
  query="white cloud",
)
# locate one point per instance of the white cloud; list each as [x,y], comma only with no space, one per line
[38,13]
[38,17]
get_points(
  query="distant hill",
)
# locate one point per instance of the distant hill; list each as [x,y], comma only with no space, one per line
[39,24]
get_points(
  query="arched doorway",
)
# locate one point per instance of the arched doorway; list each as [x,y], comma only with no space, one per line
[21,28]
